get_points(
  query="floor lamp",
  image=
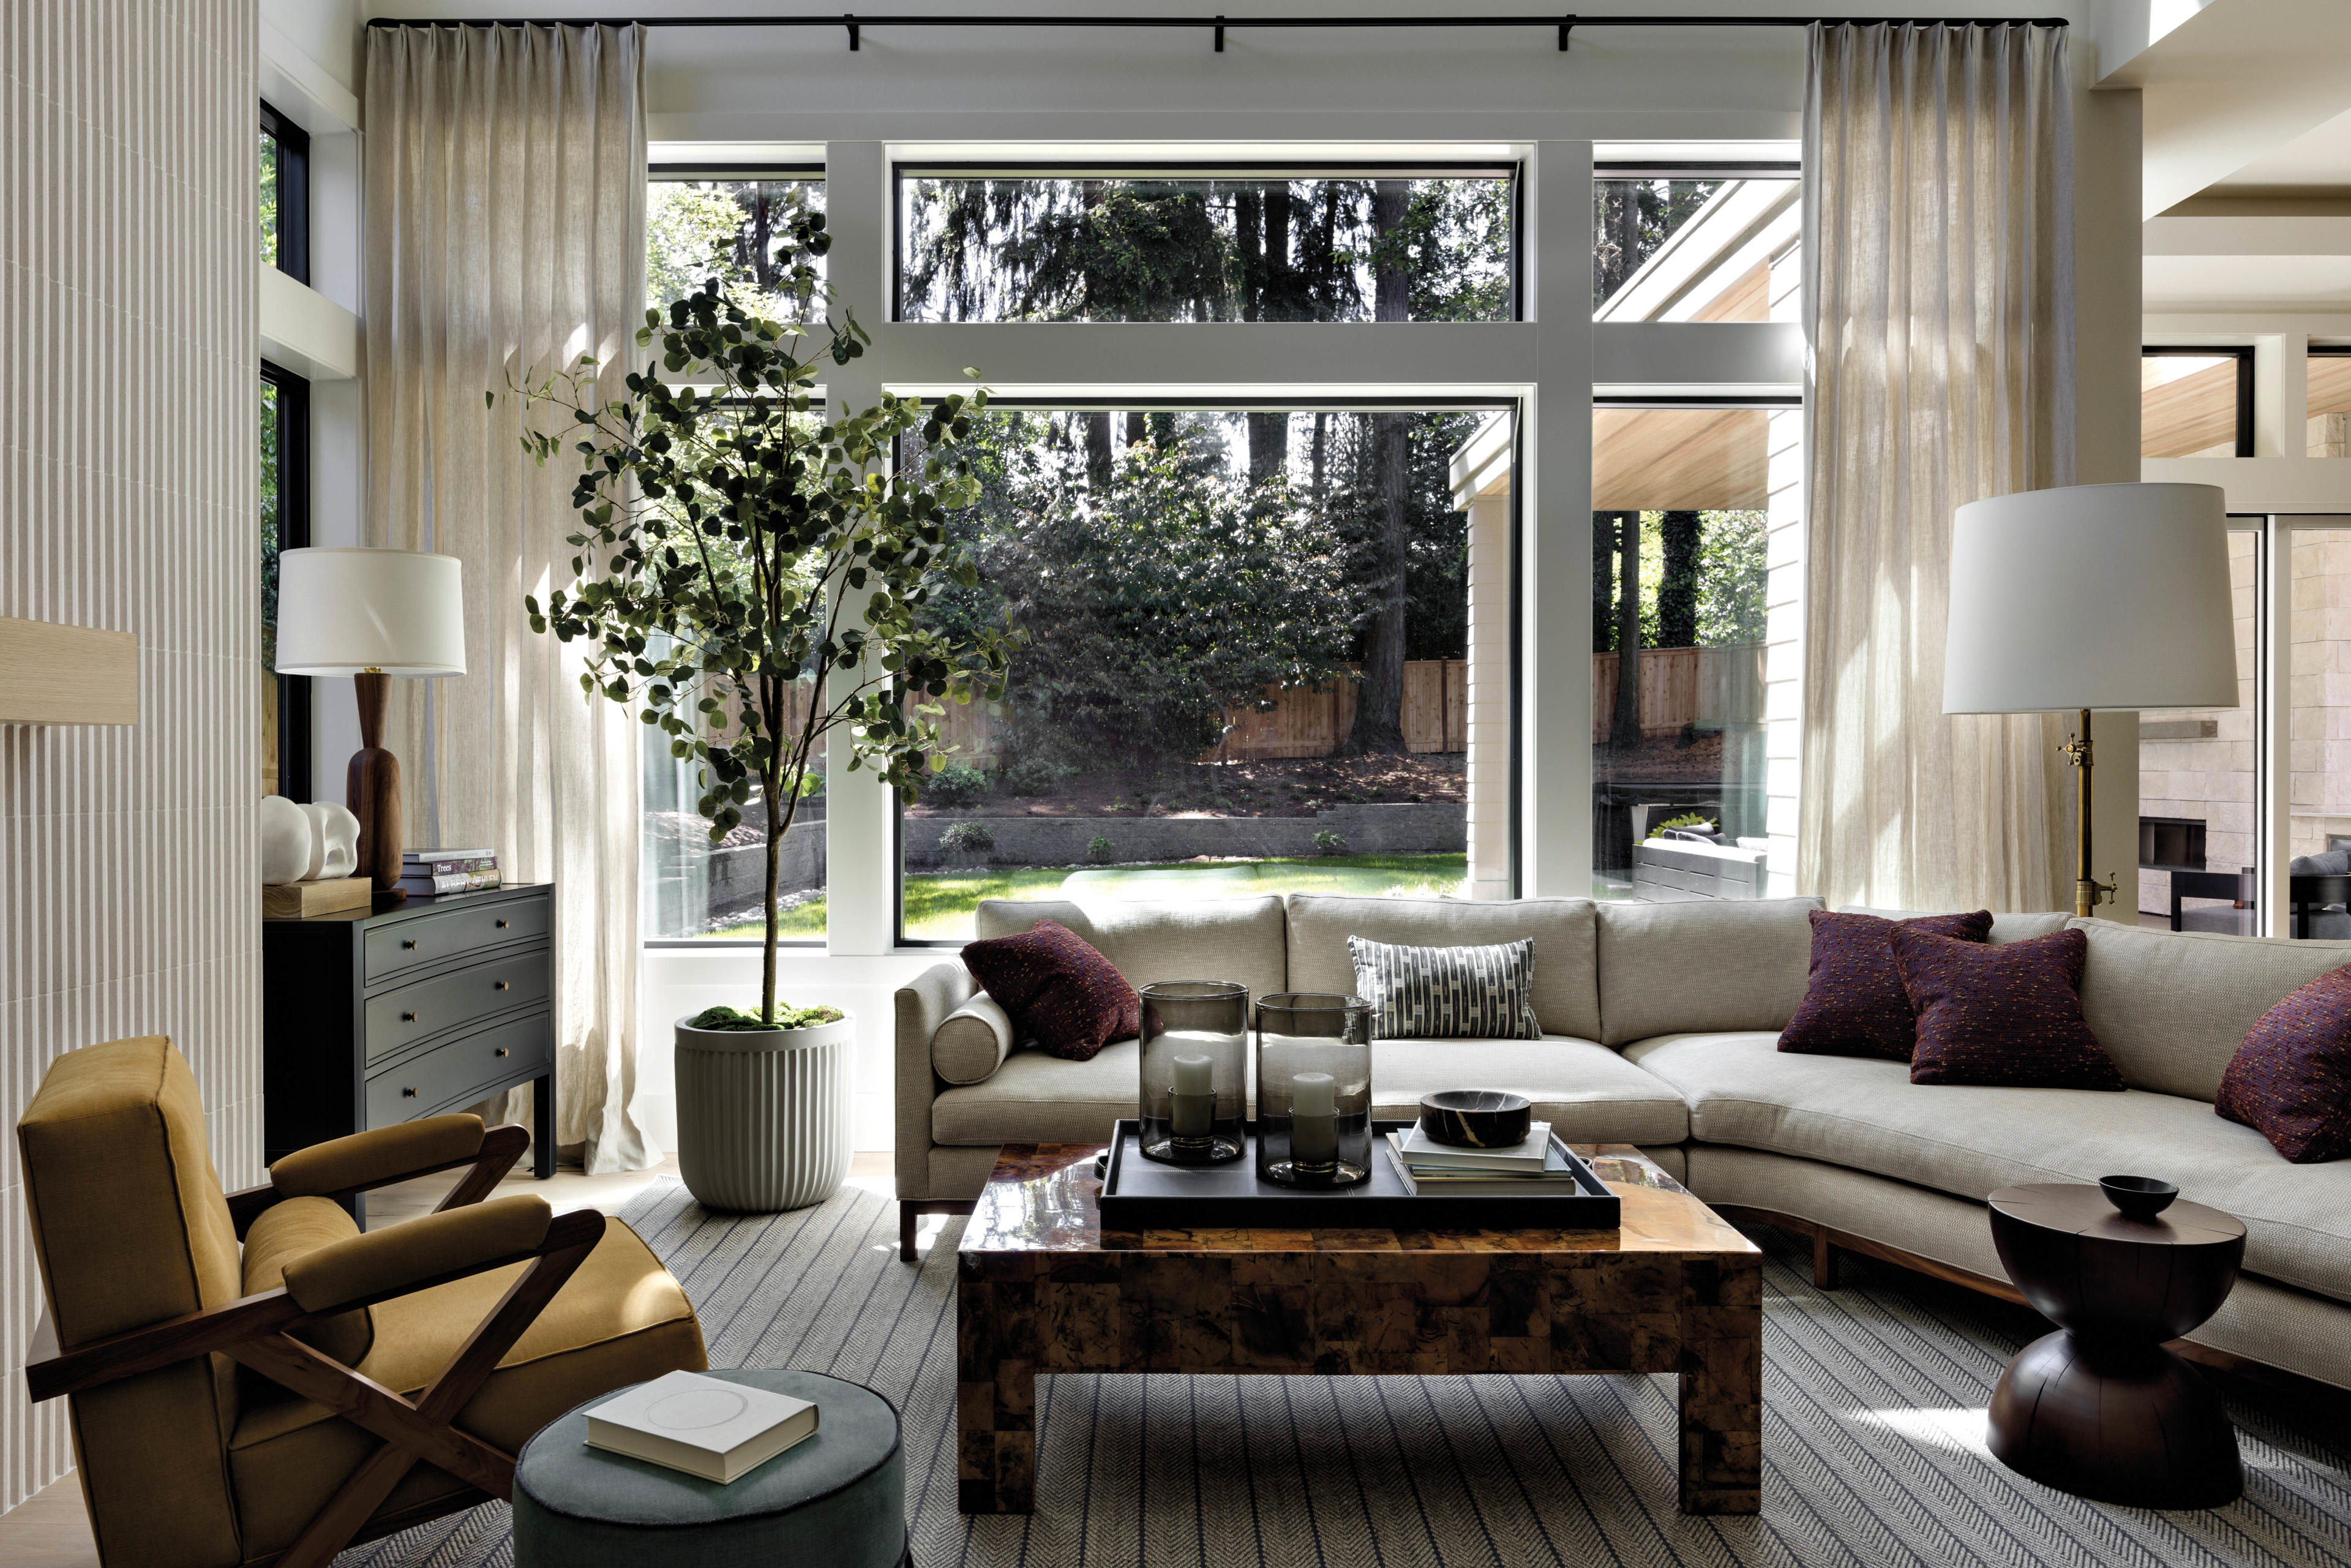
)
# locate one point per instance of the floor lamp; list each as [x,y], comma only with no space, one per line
[2111,597]
[372,614]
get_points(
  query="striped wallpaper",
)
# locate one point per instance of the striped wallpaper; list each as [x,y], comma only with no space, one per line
[129,895]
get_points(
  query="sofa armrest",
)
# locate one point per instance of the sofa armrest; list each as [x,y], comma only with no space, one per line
[923,1004]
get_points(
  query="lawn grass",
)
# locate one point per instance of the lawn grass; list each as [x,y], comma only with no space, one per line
[940,904]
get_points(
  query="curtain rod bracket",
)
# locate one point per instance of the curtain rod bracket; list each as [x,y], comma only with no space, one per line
[1220,33]
[1566,26]
[850,17]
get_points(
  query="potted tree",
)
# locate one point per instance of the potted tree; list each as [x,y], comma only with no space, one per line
[751,578]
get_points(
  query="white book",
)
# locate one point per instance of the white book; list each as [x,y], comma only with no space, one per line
[705,1427]
[1531,1155]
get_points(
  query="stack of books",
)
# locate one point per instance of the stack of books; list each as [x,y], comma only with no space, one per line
[1533,1166]
[429,873]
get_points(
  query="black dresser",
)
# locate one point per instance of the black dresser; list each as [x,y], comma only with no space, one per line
[371,1018]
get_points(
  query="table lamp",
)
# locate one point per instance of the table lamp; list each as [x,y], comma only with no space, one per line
[372,614]
[2090,597]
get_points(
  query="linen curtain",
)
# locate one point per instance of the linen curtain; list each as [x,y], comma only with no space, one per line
[1938,290]
[506,171]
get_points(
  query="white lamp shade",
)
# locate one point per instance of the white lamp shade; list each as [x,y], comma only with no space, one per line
[345,612]
[2093,596]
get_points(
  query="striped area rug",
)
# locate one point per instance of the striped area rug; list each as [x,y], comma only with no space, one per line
[1873,1400]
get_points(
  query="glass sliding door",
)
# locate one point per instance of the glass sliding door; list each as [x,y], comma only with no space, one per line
[2199,786]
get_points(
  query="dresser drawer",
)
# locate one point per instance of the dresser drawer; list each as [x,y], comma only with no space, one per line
[407,944]
[456,1072]
[401,1017]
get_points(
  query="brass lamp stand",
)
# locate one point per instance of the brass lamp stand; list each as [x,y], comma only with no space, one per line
[2088,891]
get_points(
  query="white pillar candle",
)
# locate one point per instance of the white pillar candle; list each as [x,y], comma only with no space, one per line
[1195,1075]
[1313,1121]
[1194,1106]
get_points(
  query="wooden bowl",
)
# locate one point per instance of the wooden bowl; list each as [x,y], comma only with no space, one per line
[2139,1197]
[1476,1118]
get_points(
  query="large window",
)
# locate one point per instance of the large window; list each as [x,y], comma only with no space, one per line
[1691,243]
[2198,798]
[1243,669]
[284,168]
[285,525]
[724,221]
[2329,405]
[1367,244]
[1682,512]
[2197,402]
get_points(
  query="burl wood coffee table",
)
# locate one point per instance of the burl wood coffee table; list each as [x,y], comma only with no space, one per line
[1041,1287]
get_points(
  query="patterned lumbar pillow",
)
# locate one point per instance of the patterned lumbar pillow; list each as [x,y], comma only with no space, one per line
[2002,1017]
[1853,1003]
[2290,1079]
[1459,993]
[1057,987]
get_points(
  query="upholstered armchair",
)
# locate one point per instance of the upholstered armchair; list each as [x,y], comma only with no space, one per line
[251,1379]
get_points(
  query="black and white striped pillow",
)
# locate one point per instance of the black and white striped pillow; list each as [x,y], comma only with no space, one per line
[1459,993]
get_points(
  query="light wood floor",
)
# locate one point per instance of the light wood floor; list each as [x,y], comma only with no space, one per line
[51,1530]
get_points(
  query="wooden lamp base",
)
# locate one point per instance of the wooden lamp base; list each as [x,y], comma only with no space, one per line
[372,789]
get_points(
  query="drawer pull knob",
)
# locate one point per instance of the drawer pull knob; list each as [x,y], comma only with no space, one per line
[408,1017]
[408,942]
[502,985]
[502,1050]
[408,1094]
[502,925]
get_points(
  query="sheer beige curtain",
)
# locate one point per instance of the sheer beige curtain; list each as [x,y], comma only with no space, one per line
[506,170]
[1938,262]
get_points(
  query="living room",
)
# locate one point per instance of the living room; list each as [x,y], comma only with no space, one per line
[728,641]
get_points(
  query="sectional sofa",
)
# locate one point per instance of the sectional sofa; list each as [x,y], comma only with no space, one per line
[1660,1026]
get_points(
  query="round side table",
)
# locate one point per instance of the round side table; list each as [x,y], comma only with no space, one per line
[838,1498]
[2100,1408]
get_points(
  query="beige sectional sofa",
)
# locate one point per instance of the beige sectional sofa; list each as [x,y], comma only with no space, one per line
[1660,1028]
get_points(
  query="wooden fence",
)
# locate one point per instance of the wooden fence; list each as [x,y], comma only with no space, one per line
[1682,686]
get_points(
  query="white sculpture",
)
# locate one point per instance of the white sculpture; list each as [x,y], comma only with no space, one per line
[306,843]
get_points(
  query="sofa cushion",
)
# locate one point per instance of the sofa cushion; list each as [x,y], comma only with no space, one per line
[1854,1001]
[2001,1016]
[2006,927]
[973,1041]
[285,1231]
[1666,968]
[1566,990]
[1423,993]
[2291,1080]
[1060,989]
[1588,1092]
[1967,1141]
[2172,1007]
[1212,939]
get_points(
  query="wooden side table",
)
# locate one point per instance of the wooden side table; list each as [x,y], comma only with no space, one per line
[2100,1408]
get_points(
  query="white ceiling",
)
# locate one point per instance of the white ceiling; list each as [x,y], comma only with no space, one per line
[2318,162]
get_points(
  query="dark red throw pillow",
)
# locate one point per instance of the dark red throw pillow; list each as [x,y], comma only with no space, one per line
[2290,1079]
[1854,1004]
[1058,988]
[2002,1017]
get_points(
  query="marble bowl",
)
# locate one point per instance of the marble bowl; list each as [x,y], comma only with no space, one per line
[2139,1197]
[1476,1118]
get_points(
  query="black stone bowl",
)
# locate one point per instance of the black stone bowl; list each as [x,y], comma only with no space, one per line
[2139,1197]
[1476,1118]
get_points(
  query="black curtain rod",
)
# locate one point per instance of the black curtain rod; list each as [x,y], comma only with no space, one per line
[1567,24]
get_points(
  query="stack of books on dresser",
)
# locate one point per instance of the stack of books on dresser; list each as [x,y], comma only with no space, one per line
[429,873]
[1536,1164]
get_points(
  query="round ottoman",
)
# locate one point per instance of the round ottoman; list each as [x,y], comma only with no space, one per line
[838,1498]
[763,1114]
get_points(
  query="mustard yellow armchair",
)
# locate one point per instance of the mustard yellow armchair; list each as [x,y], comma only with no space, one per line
[254,1381]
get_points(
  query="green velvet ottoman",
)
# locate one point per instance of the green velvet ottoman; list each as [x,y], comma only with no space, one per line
[838,1498]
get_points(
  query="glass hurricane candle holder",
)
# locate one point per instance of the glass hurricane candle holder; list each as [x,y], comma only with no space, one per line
[1194,1070]
[1313,1089]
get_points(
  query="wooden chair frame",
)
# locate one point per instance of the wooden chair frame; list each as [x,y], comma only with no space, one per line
[257,1332]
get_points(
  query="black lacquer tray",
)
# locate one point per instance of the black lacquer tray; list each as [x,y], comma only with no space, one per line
[1140,1194]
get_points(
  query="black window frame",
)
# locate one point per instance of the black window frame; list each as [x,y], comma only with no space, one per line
[2240,352]
[1513,169]
[1513,408]
[293,192]
[2318,351]
[294,692]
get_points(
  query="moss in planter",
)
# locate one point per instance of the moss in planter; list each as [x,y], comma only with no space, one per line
[786,1017]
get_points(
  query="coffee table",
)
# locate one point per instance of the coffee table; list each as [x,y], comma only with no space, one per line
[1041,1287]
[2100,1408]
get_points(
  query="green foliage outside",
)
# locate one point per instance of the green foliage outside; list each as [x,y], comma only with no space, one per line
[270,436]
[1330,844]
[1730,577]
[732,230]
[954,785]
[968,838]
[1100,851]
[269,199]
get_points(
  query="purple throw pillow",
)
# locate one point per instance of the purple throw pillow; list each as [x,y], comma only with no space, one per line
[2290,1079]
[2002,1017]
[1058,988]
[1854,1004]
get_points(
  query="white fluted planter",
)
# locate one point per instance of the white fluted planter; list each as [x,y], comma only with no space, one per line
[763,1114]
